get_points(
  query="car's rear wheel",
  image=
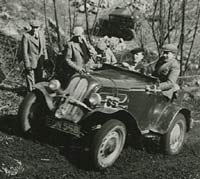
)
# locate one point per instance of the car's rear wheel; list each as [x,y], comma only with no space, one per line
[32,112]
[108,143]
[172,142]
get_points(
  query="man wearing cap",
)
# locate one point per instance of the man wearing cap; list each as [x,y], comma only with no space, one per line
[105,53]
[136,63]
[167,69]
[33,53]
[78,53]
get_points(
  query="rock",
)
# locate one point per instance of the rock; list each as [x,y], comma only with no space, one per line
[11,167]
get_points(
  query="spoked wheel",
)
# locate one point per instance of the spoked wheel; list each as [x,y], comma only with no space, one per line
[172,142]
[108,144]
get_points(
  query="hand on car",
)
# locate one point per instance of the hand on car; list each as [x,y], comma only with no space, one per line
[125,64]
[82,71]
[151,87]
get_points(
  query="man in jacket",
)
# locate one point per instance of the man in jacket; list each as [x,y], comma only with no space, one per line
[136,63]
[167,69]
[78,53]
[34,53]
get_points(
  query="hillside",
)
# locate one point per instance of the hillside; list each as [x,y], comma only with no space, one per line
[15,16]
[56,155]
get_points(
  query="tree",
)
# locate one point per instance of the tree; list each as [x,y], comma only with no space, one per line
[57,26]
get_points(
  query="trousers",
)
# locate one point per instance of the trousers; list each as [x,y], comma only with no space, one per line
[32,77]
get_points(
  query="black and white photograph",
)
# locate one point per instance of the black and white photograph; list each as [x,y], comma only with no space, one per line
[99,89]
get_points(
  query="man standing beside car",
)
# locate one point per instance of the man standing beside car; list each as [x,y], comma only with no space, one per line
[167,69]
[34,53]
[78,53]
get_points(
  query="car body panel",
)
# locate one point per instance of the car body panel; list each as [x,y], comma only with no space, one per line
[121,91]
[163,122]
[44,89]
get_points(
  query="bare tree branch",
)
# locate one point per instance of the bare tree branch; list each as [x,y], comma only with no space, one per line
[194,35]
[70,18]
[57,26]
[74,16]
[95,19]
[86,20]
[181,42]
[46,22]
[153,25]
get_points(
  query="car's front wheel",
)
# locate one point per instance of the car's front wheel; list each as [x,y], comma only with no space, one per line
[172,142]
[108,143]
[31,113]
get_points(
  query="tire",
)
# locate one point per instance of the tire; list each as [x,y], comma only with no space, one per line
[31,113]
[172,142]
[108,143]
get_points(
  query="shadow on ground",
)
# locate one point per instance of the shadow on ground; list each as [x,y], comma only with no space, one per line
[74,149]
[69,146]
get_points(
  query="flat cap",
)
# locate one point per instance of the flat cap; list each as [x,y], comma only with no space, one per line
[170,48]
[101,45]
[78,31]
[35,23]
[137,50]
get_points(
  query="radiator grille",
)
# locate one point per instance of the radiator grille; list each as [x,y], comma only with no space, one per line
[76,89]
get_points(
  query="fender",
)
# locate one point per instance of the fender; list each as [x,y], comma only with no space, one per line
[165,120]
[43,88]
[107,110]
[99,115]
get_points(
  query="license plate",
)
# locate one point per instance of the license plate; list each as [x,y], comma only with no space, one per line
[67,127]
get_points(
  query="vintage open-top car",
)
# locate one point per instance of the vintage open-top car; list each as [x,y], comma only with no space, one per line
[107,104]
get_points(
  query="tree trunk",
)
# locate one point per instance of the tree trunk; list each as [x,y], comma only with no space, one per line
[194,35]
[57,26]
[182,36]
[86,20]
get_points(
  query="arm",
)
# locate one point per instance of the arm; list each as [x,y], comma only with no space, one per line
[45,49]
[113,58]
[68,57]
[25,52]
[172,78]
[91,49]
[43,42]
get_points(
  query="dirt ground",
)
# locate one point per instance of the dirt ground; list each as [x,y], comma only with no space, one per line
[57,156]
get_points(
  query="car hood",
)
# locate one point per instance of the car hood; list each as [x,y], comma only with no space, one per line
[121,78]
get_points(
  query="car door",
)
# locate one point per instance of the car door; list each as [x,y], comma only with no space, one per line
[144,105]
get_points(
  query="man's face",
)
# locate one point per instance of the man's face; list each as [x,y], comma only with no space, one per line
[35,30]
[168,55]
[138,57]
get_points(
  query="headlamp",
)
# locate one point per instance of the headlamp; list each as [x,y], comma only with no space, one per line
[95,99]
[54,85]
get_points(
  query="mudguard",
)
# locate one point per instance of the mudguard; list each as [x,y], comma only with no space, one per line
[107,110]
[120,113]
[43,88]
[162,124]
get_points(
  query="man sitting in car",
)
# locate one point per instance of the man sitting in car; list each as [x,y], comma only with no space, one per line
[137,63]
[167,69]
